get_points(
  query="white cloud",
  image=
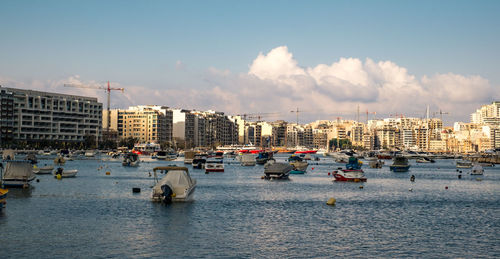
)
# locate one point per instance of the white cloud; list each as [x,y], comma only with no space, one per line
[276,83]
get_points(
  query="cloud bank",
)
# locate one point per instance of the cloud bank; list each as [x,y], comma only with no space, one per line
[276,83]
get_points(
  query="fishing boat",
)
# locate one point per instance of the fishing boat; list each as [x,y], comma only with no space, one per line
[17,173]
[47,169]
[352,172]
[248,160]
[214,166]
[400,164]
[263,157]
[376,164]
[130,159]
[299,165]
[277,171]
[176,186]
[3,198]
[65,173]
[464,164]
[477,170]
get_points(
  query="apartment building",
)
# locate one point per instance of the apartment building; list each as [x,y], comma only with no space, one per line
[35,116]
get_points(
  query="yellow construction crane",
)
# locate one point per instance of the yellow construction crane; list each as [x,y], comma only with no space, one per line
[108,90]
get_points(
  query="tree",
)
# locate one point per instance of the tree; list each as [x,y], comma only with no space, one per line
[340,143]
[128,142]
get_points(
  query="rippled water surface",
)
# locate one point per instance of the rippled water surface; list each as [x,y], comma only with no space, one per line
[237,214]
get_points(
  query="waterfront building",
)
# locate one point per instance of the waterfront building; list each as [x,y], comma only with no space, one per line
[147,123]
[279,133]
[7,117]
[38,116]
[487,114]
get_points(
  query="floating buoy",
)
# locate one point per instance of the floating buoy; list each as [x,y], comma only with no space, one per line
[479,179]
[459,176]
[59,176]
[37,180]
[149,174]
[173,194]
[108,173]
[262,177]
[361,187]
[312,168]
[328,173]
[34,166]
[356,180]
[136,190]
[206,172]
[410,190]
[446,187]
[331,201]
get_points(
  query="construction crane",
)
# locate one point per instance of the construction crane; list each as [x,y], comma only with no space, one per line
[108,90]
[440,114]
[258,116]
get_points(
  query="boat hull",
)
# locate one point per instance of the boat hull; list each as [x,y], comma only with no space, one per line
[297,172]
[349,176]
[399,169]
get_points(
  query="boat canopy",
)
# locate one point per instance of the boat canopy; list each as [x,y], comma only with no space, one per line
[277,168]
[177,177]
[18,170]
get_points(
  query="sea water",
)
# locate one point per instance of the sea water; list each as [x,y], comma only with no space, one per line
[237,214]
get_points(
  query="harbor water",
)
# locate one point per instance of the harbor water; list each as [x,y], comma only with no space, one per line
[236,214]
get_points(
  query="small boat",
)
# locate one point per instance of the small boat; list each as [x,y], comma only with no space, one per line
[176,186]
[90,153]
[352,173]
[477,170]
[376,164]
[59,160]
[3,198]
[485,164]
[214,166]
[65,173]
[277,171]
[131,159]
[161,155]
[299,165]
[248,160]
[17,173]
[400,164]
[263,157]
[464,164]
[425,160]
[199,161]
[44,169]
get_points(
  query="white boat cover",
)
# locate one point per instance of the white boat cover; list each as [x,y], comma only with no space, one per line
[247,158]
[18,170]
[178,180]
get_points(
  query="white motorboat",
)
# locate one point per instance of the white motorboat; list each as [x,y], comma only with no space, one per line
[477,170]
[90,153]
[65,173]
[214,166]
[17,173]
[176,186]
[44,169]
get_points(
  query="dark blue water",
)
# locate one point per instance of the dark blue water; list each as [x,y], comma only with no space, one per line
[237,214]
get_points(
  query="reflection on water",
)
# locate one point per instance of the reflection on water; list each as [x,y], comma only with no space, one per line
[237,214]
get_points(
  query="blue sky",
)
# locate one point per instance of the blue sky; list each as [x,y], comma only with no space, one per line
[139,43]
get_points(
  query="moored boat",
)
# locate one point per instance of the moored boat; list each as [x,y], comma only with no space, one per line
[425,160]
[176,186]
[3,198]
[44,169]
[477,170]
[214,166]
[130,159]
[17,173]
[352,173]
[277,171]
[248,160]
[65,173]
[299,165]
[263,157]
[400,164]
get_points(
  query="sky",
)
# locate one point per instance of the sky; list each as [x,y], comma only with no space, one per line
[325,58]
